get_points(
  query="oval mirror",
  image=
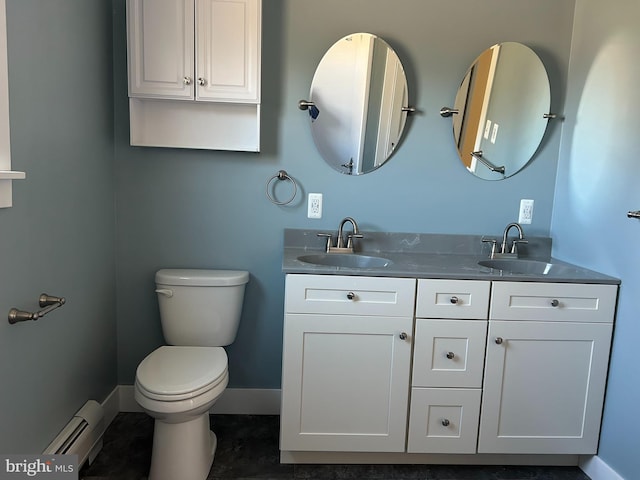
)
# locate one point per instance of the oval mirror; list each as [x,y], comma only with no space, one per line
[502,111]
[358,104]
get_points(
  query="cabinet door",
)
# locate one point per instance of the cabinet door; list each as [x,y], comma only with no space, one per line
[228,50]
[160,36]
[544,387]
[345,383]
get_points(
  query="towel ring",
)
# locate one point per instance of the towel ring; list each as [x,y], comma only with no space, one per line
[281,175]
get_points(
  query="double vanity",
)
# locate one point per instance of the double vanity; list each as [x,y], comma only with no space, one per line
[420,348]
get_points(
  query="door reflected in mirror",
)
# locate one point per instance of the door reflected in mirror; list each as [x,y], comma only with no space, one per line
[359,104]
[502,106]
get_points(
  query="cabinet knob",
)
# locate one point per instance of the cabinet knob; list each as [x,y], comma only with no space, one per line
[454,300]
[499,340]
[201,81]
[187,80]
[555,302]
[450,355]
[445,422]
[351,295]
[403,336]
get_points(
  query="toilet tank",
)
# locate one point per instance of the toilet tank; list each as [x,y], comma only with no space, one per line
[200,307]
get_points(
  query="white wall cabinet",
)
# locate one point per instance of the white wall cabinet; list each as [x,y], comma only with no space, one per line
[194,73]
[346,370]
[497,367]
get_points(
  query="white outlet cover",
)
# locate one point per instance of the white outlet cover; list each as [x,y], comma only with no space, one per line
[314,205]
[526,211]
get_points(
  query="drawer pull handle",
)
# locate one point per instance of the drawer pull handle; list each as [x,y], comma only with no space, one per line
[445,422]
[499,340]
[450,355]
[555,303]
[403,336]
[351,295]
[454,300]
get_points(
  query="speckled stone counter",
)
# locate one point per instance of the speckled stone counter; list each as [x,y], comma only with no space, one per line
[419,255]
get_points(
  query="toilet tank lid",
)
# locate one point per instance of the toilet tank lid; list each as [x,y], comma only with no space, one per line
[201,278]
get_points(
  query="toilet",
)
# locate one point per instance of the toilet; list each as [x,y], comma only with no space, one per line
[178,383]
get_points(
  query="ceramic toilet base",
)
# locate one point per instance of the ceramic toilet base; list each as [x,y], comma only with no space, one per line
[182,451]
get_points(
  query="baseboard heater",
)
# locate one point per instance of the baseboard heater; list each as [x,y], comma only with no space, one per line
[82,436]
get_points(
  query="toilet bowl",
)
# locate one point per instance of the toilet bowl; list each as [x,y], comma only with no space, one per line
[177,384]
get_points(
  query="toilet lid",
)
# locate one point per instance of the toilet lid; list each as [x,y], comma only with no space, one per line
[172,370]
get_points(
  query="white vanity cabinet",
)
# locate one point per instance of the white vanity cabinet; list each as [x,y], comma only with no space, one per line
[497,368]
[194,73]
[449,346]
[546,367]
[346,363]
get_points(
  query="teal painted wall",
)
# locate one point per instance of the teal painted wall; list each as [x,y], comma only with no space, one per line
[597,185]
[59,235]
[185,208]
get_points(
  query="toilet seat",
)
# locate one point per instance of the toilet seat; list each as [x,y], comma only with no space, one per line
[173,373]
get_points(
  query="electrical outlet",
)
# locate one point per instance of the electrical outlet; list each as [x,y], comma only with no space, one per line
[314,205]
[526,211]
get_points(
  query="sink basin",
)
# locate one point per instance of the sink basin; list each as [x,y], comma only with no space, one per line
[346,260]
[531,267]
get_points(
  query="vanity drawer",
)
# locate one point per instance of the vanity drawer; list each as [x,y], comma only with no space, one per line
[344,295]
[553,302]
[443,420]
[453,299]
[449,353]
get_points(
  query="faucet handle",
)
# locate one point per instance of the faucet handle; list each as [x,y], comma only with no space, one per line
[515,243]
[350,238]
[494,245]
[328,236]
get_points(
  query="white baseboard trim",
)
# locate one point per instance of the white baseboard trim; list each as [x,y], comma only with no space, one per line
[234,401]
[127,401]
[597,469]
[111,406]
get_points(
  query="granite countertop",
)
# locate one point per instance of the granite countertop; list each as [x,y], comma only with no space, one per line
[418,255]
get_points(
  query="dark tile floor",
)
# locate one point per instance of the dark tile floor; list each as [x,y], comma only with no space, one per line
[248,449]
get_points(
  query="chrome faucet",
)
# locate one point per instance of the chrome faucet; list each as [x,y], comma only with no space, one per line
[505,251]
[514,245]
[341,246]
